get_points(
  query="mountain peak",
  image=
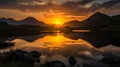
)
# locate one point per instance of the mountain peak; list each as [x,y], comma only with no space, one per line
[29,18]
[32,21]
[97,17]
[99,14]
[10,19]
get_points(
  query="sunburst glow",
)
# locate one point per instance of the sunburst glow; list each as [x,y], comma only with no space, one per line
[57,17]
[58,21]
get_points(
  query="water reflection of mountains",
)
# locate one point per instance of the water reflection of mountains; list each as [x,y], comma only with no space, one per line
[95,39]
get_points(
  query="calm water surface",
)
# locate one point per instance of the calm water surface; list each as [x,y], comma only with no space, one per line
[63,45]
[51,44]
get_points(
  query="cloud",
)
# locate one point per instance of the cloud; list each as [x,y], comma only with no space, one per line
[111,7]
[69,7]
[74,7]
[79,2]
[110,3]
[6,3]
[85,1]
[20,4]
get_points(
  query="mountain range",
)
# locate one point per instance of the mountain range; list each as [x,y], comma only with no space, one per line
[97,20]
[26,21]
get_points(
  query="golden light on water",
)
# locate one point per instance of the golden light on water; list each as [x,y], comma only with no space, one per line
[52,42]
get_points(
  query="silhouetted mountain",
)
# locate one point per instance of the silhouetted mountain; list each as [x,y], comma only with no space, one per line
[73,24]
[96,20]
[32,21]
[3,23]
[97,16]
[26,21]
[11,21]
[116,18]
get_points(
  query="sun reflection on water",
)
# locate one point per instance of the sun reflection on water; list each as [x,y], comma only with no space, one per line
[51,42]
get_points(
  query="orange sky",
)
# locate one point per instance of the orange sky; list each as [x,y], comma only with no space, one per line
[50,17]
[56,11]
[57,17]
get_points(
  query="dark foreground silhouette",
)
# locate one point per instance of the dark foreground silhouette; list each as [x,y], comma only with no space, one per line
[4,45]
[21,58]
[29,58]
[57,63]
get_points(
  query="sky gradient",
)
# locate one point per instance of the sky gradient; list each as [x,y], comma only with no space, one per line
[57,10]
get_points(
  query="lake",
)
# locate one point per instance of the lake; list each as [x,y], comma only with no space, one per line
[60,46]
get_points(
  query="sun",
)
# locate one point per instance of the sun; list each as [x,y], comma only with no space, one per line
[58,21]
